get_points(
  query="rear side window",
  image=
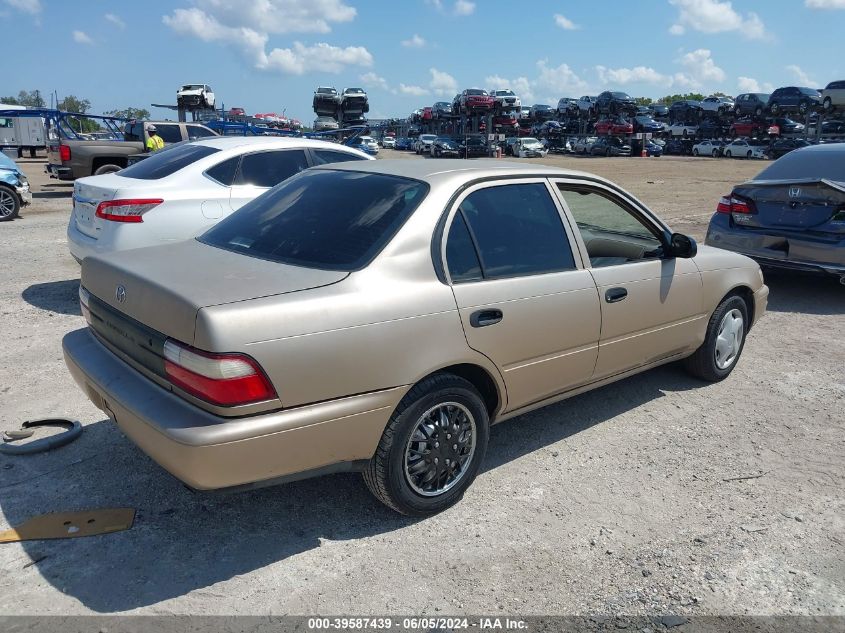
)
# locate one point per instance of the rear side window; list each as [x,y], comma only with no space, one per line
[518,231]
[167,162]
[325,156]
[224,172]
[169,133]
[198,131]
[268,169]
[326,219]
[461,256]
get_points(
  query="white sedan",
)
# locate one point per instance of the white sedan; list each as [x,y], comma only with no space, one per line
[682,129]
[742,148]
[708,148]
[181,191]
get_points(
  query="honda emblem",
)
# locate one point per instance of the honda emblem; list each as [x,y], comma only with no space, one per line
[120,294]
[795,192]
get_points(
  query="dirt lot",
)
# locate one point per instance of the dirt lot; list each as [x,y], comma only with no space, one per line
[623,500]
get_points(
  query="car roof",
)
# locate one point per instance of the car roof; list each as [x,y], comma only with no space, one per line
[270,142]
[442,170]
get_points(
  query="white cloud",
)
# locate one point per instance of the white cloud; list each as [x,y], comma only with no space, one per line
[81,37]
[565,23]
[521,86]
[33,7]
[713,16]
[749,84]
[800,75]
[442,83]
[461,7]
[415,41]
[638,74]
[464,7]
[677,29]
[560,80]
[247,27]
[700,69]
[416,91]
[111,17]
[372,80]
[825,4]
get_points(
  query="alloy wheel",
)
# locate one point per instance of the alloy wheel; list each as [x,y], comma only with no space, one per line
[7,203]
[440,449]
[729,339]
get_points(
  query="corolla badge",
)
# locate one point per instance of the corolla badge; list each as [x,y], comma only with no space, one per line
[120,294]
[795,192]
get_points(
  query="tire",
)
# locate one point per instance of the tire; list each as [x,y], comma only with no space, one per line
[723,344]
[759,110]
[694,152]
[387,474]
[607,152]
[728,153]
[715,153]
[748,155]
[10,204]
[774,108]
[107,169]
[32,152]
[803,107]
[828,104]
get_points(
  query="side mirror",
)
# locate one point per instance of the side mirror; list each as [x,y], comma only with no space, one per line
[683,246]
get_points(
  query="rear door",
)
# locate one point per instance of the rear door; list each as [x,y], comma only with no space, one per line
[259,171]
[524,299]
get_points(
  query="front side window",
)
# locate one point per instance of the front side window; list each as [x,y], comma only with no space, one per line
[323,218]
[517,231]
[268,169]
[612,233]
[198,131]
[325,156]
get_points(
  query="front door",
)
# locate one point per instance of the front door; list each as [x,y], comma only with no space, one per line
[524,299]
[651,306]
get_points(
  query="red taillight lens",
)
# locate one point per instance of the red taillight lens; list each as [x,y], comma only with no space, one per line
[64,152]
[735,204]
[126,210]
[227,380]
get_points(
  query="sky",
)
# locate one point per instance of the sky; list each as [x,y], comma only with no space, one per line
[270,55]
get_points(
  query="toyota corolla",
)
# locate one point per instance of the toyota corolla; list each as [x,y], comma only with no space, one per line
[379,316]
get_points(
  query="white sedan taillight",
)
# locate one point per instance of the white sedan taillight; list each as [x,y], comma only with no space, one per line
[223,379]
[130,210]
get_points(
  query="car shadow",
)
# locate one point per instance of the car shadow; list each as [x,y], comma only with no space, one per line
[805,293]
[184,541]
[61,297]
[53,194]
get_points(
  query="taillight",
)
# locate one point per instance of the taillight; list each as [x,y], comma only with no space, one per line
[227,380]
[64,152]
[735,204]
[126,210]
[84,297]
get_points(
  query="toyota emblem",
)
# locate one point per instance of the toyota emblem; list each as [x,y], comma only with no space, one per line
[120,294]
[794,192]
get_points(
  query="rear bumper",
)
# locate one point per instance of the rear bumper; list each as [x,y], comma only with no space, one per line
[209,452]
[778,251]
[57,171]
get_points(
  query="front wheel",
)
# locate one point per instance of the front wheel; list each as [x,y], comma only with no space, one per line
[748,155]
[774,108]
[432,447]
[803,107]
[694,152]
[715,153]
[828,104]
[728,153]
[10,204]
[723,345]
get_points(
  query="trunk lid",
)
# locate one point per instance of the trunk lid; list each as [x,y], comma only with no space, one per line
[817,206]
[87,194]
[163,287]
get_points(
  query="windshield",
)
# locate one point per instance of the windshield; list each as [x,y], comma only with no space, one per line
[620,95]
[504,93]
[192,87]
[809,91]
[167,161]
[354,90]
[530,141]
[327,91]
[477,93]
[427,137]
[327,219]
[474,140]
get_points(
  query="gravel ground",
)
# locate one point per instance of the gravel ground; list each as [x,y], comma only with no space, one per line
[624,500]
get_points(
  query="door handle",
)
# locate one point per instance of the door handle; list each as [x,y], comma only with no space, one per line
[483,318]
[615,294]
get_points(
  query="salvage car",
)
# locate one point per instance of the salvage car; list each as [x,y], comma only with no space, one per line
[794,98]
[506,100]
[833,96]
[474,293]
[181,191]
[791,215]
[473,147]
[708,148]
[610,146]
[611,102]
[751,104]
[475,100]
[326,101]
[14,189]
[323,123]
[445,147]
[423,143]
[528,148]
[618,125]
[584,144]
[682,129]
[747,127]
[195,96]
[719,105]
[783,146]
[354,100]
[744,148]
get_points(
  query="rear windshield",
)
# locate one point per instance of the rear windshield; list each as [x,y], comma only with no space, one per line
[826,162]
[326,219]
[168,161]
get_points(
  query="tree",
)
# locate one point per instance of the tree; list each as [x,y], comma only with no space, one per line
[643,101]
[72,104]
[31,98]
[130,113]
[9,100]
[693,96]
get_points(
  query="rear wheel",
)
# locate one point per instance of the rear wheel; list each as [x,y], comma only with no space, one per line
[748,155]
[774,108]
[607,152]
[694,152]
[432,447]
[10,204]
[758,111]
[728,153]
[715,153]
[723,345]
[828,104]
[107,169]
